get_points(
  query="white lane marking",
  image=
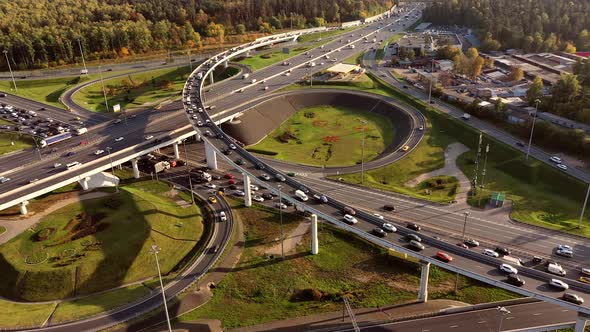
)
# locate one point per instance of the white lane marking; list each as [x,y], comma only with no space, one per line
[454,326]
[507,318]
[537,314]
[564,310]
[481,321]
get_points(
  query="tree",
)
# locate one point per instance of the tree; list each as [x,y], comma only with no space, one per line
[535,90]
[476,67]
[472,53]
[582,70]
[566,89]
[448,52]
[411,55]
[240,29]
[488,63]
[569,47]
[216,31]
[516,74]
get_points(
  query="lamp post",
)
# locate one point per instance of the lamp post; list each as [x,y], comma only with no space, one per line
[281,221]
[483,173]
[108,148]
[431,74]
[155,250]
[190,181]
[37,147]
[10,69]
[104,93]
[82,54]
[466,213]
[503,312]
[584,207]
[189,60]
[528,150]
[363,122]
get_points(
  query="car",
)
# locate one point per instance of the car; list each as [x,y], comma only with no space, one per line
[210,185]
[443,256]
[56,165]
[265,177]
[71,153]
[413,237]
[117,121]
[280,205]
[421,128]
[389,227]
[463,245]
[379,232]
[98,152]
[521,144]
[280,177]
[349,210]
[565,247]
[405,148]
[558,284]
[239,193]
[388,207]
[231,182]
[515,280]
[240,161]
[148,137]
[413,226]
[119,139]
[212,199]
[258,199]
[562,167]
[537,259]
[350,219]
[378,216]
[228,176]
[574,298]
[555,159]
[585,280]
[471,242]
[267,196]
[259,165]
[565,253]
[507,268]
[253,187]
[585,271]
[4,179]
[33,180]
[222,216]
[491,253]
[503,251]
[416,245]
[227,152]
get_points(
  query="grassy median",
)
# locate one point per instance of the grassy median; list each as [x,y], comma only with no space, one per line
[45,91]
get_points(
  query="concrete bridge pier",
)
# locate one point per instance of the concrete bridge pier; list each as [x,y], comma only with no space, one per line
[176,151]
[211,156]
[23,207]
[423,292]
[84,183]
[314,235]
[211,80]
[225,64]
[135,168]
[247,190]
[581,322]
[198,137]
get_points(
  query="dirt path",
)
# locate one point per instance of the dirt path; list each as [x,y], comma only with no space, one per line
[452,152]
[16,226]
[291,239]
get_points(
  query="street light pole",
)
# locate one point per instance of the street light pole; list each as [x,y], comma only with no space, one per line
[112,168]
[155,251]
[464,225]
[483,173]
[281,221]
[363,122]
[189,60]
[37,147]
[104,93]
[528,150]
[584,207]
[431,74]
[188,172]
[10,69]
[503,312]
[82,53]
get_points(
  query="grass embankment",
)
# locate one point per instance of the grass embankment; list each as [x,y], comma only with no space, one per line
[2,230]
[262,289]
[324,35]
[328,136]
[266,59]
[45,91]
[100,243]
[381,50]
[354,59]
[20,142]
[542,194]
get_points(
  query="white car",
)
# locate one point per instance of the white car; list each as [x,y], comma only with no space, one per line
[491,253]
[281,205]
[350,219]
[378,215]
[253,187]
[231,146]
[149,137]
[199,123]
[258,199]
[565,247]
[210,185]
[56,165]
[558,284]
[98,152]
[222,216]
[119,139]
[565,252]
[562,166]
[507,268]
[555,159]
[239,193]
[421,128]
[265,176]
[586,271]
[389,227]
[4,179]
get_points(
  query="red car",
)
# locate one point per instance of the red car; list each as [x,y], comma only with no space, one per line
[231,181]
[228,176]
[444,257]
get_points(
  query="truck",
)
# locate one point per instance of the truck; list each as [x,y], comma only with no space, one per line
[555,269]
[512,260]
[81,131]
[55,139]
[161,166]
[466,116]
[301,195]
[84,72]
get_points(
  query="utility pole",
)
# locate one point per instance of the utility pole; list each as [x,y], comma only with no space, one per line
[189,60]
[112,168]
[431,76]
[584,207]
[10,69]
[483,173]
[188,172]
[528,150]
[466,213]
[82,53]
[281,221]
[477,164]
[104,92]
[155,250]
[363,122]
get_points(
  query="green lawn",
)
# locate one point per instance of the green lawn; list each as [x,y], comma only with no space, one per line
[134,90]
[92,305]
[108,247]
[261,289]
[45,91]
[381,50]
[266,59]
[20,142]
[330,136]
[324,35]
[2,230]
[354,59]
[20,315]
[542,194]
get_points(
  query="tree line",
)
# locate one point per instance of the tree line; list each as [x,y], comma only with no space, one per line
[534,26]
[45,33]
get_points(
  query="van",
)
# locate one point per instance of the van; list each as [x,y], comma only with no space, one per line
[555,269]
[73,164]
[349,210]
[301,195]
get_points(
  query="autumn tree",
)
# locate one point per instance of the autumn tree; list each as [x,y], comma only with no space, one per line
[516,74]
[535,90]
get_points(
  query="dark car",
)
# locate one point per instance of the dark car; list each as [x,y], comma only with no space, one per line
[414,237]
[219,135]
[503,251]
[240,161]
[259,165]
[388,207]
[280,178]
[304,189]
[573,298]
[71,153]
[521,144]
[227,152]
[349,210]
[537,259]
[287,203]
[267,196]
[379,232]
[515,280]
[413,226]
[216,177]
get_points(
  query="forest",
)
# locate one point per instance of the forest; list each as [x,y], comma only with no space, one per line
[531,25]
[45,33]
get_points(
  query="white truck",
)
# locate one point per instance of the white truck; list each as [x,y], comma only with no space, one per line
[161,166]
[301,195]
[206,176]
[466,116]
[81,131]
[513,260]
[555,269]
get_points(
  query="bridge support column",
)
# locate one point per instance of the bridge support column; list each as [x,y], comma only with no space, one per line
[211,156]
[23,207]
[247,190]
[135,168]
[314,235]
[248,54]
[84,183]
[211,80]
[580,323]
[423,293]
[176,151]
[197,137]
[225,64]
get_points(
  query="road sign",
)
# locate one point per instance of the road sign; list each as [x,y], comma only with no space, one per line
[117,108]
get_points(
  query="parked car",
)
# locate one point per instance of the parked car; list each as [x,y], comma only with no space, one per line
[259,199]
